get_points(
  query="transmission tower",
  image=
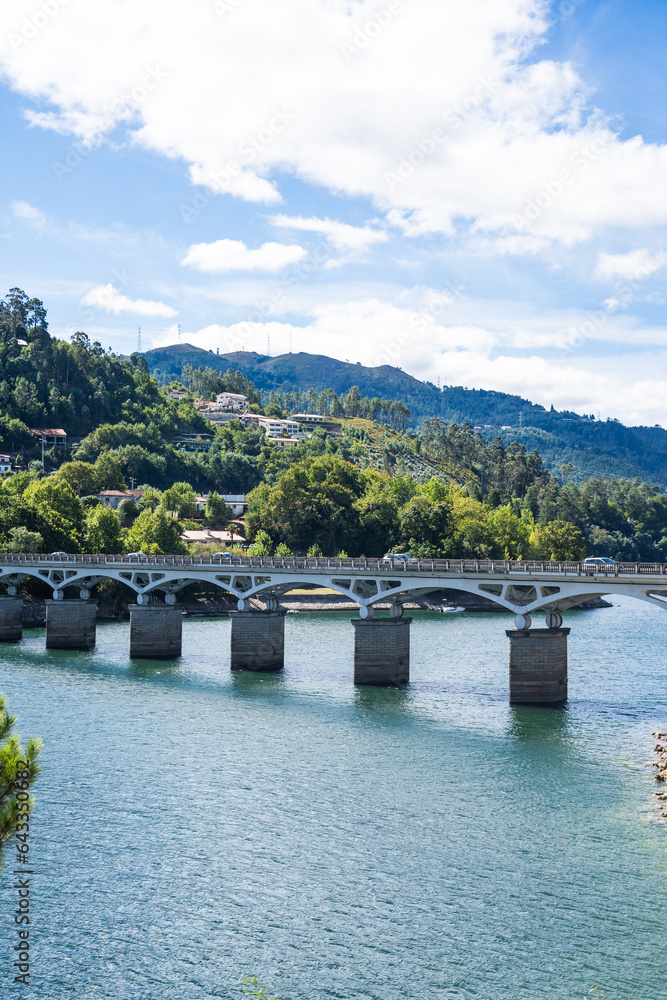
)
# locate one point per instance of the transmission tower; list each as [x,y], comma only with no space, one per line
[268,343]
[139,341]
[179,333]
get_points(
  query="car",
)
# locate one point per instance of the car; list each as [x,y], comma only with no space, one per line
[64,554]
[399,555]
[597,560]
[136,555]
[223,555]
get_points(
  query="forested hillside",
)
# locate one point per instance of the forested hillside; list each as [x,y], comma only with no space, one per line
[593,447]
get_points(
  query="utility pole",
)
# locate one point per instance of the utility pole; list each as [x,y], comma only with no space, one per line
[43,452]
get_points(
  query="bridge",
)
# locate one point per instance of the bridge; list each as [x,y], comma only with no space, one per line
[538,656]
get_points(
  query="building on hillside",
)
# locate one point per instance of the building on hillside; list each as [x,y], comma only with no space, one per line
[112,498]
[212,535]
[176,394]
[308,421]
[236,501]
[273,427]
[310,418]
[232,401]
[285,442]
[50,436]
[5,463]
[506,427]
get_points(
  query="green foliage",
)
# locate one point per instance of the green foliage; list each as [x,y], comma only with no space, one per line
[102,531]
[251,987]
[216,512]
[180,499]
[14,777]
[155,534]
[262,544]
[22,540]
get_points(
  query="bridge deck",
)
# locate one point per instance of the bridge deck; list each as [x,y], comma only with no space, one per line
[430,567]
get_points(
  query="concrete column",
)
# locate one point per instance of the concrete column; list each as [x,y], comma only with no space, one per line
[11,618]
[155,631]
[70,624]
[538,666]
[381,650]
[258,640]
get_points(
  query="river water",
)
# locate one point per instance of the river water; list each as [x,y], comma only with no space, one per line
[193,826]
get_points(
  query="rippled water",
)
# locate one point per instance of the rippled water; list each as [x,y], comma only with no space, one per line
[193,825]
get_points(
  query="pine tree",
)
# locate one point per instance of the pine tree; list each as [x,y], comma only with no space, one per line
[18,771]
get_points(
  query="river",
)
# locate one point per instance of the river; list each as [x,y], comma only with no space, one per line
[194,825]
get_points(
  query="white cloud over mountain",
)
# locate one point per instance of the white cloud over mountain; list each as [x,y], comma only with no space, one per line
[431,110]
[110,299]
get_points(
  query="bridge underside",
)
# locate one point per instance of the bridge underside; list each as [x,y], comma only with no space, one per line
[522,596]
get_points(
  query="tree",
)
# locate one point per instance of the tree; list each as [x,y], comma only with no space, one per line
[155,534]
[180,499]
[103,532]
[81,476]
[216,511]
[559,541]
[56,512]
[22,540]
[19,769]
[109,472]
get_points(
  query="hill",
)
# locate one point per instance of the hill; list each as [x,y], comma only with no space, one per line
[592,447]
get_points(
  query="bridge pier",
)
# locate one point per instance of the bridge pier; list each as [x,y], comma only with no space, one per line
[155,631]
[382,651]
[538,666]
[11,618]
[258,640]
[70,624]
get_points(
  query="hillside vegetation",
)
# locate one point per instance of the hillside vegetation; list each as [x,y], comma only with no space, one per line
[593,447]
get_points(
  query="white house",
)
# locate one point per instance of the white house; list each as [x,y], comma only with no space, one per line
[5,463]
[233,401]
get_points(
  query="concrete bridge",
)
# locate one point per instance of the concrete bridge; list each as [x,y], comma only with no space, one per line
[538,656]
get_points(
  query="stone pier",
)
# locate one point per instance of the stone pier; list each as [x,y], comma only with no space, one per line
[155,631]
[538,666]
[258,640]
[11,618]
[70,624]
[382,651]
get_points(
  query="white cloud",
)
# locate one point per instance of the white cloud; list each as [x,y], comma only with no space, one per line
[22,210]
[341,235]
[633,266]
[233,255]
[109,299]
[424,342]
[477,137]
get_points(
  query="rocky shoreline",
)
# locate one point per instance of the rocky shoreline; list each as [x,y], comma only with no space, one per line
[205,606]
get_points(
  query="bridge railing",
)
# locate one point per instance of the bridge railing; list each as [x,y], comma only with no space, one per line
[430,566]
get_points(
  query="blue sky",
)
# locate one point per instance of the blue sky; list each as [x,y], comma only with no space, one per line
[461,192]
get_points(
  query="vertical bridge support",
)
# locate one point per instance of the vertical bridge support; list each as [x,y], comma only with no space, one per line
[155,631]
[258,640]
[70,624]
[11,618]
[382,651]
[538,666]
